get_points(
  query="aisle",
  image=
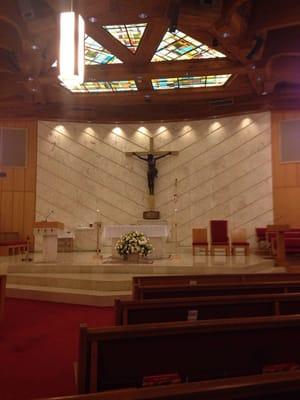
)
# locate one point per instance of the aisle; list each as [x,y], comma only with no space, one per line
[39,344]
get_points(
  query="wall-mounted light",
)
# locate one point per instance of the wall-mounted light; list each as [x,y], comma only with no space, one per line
[71,50]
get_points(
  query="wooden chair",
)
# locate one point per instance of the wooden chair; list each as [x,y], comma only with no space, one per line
[219,237]
[261,238]
[239,240]
[200,239]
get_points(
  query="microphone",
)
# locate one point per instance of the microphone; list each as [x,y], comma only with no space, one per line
[48,215]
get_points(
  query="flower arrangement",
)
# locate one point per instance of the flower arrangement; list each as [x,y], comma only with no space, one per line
[134,243]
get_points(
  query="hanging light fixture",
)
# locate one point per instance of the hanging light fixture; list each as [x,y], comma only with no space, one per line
[71,49]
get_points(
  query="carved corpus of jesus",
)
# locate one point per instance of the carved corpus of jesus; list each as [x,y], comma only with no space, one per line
[152,170]
[151,157]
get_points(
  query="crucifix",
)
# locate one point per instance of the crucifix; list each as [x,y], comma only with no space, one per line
[151,157]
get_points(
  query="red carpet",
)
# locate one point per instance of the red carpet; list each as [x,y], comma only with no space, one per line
[38,345]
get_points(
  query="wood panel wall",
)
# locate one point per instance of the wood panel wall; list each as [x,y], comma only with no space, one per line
[286,177]
[17,190]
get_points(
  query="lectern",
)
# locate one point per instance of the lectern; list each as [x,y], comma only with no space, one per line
[49,230]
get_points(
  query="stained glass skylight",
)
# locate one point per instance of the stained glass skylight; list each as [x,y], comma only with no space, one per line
[179,46]
[102,87]
[95,53]
[190,82]
[129,35]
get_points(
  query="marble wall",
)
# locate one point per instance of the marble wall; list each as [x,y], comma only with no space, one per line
[222,170]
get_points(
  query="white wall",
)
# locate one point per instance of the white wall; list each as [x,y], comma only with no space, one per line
[223,170]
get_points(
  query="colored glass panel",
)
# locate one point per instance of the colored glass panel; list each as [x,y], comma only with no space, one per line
[165,83]
[102,87]
[190,82]
[129,35]
[95,53]
[179,46]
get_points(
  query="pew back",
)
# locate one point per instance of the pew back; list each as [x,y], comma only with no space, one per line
[2,295]
[217,289]
[193,280]
[120,357]
[282,385]
[203,308]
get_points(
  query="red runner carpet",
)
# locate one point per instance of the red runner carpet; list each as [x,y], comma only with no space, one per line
[39,344]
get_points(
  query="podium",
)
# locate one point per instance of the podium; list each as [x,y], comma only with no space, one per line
[49,230]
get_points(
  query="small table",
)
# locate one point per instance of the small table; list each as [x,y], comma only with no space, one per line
[85,238]
[49,230]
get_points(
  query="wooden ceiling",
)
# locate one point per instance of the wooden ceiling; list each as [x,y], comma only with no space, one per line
[259,37]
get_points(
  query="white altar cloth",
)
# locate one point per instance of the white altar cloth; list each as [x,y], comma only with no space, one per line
[157,233]
[115,231]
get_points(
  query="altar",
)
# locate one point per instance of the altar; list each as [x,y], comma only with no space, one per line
[157,234]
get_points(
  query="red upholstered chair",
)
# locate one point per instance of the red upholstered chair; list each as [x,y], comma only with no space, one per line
[238,240]
[200,239]
[219,236]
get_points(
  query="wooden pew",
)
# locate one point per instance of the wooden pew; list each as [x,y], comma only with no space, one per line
[192,280]
[2,295]
[11,244]
[203,308]
[274,386]
[217,289]
[122,356]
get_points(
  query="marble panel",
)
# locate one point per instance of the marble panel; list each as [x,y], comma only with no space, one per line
[223,171]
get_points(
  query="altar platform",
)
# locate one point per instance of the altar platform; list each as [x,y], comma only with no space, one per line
[82,278]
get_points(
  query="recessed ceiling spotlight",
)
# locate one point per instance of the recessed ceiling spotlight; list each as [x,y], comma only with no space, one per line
[259,78]
[143,15]
[34,47]
[264,93]
[30,78]
[225,35]
[93,19]
[34,89]
[253,66]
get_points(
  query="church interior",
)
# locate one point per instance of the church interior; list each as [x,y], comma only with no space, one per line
[149,187]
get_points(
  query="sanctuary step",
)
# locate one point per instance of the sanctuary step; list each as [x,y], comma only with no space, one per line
[82,279]
[65,295]
[96,288]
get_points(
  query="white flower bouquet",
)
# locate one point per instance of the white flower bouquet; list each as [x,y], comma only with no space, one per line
[134,243]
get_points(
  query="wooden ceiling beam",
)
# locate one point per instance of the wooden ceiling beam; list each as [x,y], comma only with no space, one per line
[110,72]
[269,15]
[153,97]
[142,112]
[151,39]
[109,42]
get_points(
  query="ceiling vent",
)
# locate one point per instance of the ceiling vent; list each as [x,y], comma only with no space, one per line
[221,102]
[26,9]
